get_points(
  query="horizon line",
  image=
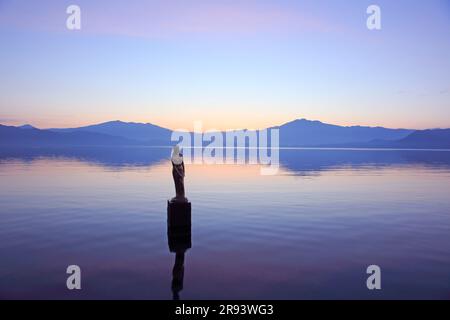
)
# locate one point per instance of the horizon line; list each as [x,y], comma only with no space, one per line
[222,130]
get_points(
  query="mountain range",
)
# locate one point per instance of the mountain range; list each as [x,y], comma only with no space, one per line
[297,133]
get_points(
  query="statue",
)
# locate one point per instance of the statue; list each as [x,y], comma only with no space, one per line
[178,175]
[178,222]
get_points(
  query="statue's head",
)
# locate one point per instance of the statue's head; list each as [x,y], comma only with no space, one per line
[177,157]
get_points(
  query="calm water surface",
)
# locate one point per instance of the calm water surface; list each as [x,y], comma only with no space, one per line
[308,232]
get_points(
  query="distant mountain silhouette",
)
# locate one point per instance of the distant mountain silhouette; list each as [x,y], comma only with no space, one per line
[419,139]
[26,126]
[298,133]
[306,133]
[144,132]
[432,138]
[15,136]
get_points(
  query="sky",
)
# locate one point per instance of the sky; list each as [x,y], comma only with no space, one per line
[230,64]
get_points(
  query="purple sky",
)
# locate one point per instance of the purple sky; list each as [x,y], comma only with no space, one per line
[230,64]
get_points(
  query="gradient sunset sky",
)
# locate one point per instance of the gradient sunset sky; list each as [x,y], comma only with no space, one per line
[230,64]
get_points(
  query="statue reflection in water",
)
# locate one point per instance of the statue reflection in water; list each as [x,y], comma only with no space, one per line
[178,223]
[178,244]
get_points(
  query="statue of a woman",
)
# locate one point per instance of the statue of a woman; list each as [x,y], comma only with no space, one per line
[178,175]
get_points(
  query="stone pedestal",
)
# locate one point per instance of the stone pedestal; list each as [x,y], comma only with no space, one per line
[178,214]
[179,226]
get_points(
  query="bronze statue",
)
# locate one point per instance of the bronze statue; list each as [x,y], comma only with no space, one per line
[178,222]
[178,175]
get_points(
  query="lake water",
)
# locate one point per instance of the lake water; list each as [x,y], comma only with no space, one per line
[308,232]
